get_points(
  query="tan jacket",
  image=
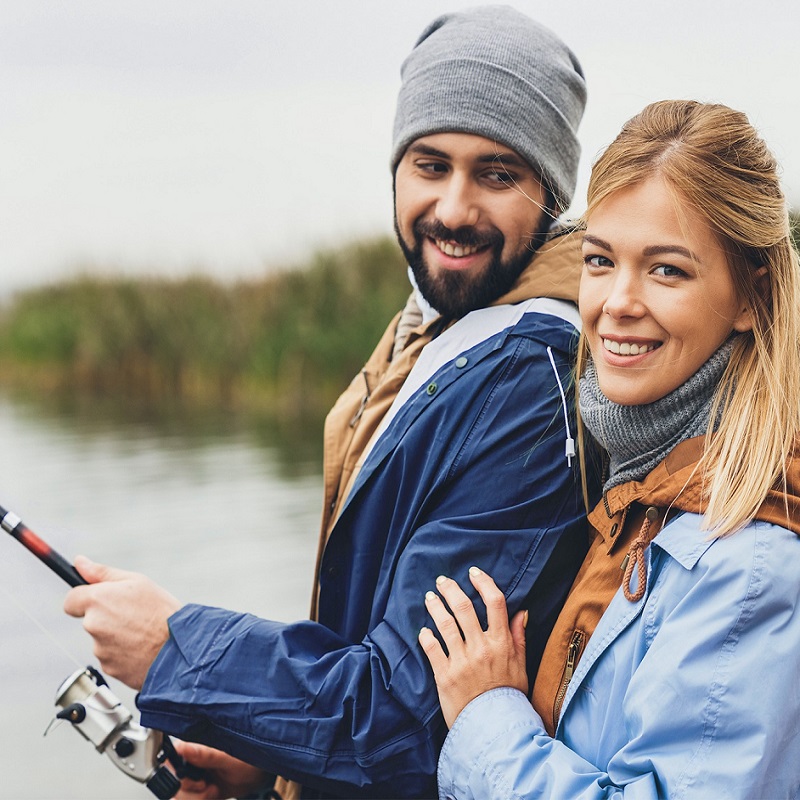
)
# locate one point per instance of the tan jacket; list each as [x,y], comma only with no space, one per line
[614,525]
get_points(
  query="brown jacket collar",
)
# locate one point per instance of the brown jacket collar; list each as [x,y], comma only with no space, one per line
[678,483]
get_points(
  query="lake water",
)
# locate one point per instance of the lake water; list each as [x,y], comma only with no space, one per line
[216,515]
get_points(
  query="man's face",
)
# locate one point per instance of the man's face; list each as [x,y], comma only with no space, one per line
[468,215]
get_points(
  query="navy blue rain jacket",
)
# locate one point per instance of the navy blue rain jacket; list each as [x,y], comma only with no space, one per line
[471,470]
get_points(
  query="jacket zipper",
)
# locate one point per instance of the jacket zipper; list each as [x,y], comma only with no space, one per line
[573,654]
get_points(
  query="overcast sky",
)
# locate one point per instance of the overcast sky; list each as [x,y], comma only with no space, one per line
[231,135]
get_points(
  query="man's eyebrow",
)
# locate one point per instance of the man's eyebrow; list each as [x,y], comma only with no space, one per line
[427,150]
[506,158]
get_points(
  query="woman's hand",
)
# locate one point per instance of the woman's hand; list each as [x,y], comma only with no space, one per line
[478,660]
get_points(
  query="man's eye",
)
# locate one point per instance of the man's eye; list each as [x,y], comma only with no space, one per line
[433,167]
[500,176]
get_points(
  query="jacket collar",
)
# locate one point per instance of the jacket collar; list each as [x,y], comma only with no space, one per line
[677,485]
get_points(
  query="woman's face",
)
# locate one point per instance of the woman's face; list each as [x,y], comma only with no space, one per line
[657,297]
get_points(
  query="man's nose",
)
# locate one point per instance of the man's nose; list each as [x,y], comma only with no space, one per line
[458,205]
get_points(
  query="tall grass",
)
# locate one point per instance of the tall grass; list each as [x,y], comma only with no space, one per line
[287,343]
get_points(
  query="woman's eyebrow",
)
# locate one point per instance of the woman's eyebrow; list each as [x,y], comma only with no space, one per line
[665,249]
[596,240]
[652,250]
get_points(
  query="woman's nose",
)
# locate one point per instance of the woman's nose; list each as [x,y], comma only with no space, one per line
[624,298]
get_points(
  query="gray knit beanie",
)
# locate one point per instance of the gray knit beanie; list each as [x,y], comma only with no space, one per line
[494,72]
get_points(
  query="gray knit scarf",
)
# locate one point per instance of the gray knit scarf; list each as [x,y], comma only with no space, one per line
[638,438]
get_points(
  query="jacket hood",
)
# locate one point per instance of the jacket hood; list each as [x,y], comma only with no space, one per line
[677,483]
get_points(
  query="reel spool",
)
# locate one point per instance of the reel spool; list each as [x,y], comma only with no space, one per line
[98,715]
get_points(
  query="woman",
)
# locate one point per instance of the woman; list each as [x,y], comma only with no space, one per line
[683,682]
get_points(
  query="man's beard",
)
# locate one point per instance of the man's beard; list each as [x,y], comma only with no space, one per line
[454,293]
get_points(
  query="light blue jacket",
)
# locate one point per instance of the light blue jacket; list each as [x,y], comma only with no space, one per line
[693,692]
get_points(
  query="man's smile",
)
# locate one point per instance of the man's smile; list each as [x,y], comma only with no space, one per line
[456,250]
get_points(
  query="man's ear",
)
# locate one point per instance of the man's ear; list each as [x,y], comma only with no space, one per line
[744,322]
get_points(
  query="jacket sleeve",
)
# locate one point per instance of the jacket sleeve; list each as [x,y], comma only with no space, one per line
[709,711]
[357,713]
[293,699]
[498,749]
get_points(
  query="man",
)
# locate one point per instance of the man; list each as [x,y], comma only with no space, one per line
[451,448]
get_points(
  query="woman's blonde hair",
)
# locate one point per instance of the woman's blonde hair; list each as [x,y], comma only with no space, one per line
[720,169]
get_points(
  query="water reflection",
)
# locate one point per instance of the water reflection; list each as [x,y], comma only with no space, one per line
[294,444]
[211,506]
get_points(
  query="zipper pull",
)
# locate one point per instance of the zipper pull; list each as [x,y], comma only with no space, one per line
[572,656]
[364,401]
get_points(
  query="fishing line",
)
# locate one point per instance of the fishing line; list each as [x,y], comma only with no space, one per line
[48,633]
[13,525]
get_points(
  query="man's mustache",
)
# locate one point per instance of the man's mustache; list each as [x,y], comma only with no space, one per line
[466,235]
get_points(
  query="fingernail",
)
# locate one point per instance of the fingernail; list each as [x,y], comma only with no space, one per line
[441,579]
[474,571]
[430,595]
[525,620]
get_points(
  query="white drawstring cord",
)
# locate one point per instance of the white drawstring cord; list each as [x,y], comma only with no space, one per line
[570,444]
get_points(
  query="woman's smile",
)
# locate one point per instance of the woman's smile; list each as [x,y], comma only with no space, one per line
[628,347]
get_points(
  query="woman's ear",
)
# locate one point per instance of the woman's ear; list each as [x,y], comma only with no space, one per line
[744,322]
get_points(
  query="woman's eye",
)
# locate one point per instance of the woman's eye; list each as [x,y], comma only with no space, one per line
[597,261]
[668,271]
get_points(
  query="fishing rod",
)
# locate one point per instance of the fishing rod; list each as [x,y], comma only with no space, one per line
[93,709]
[12,524]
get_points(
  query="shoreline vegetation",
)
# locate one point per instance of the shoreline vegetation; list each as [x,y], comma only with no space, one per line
[277,350]
[282,346]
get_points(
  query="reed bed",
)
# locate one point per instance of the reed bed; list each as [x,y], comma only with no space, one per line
[286,344]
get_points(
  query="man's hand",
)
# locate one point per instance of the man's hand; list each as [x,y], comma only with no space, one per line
[126,615]
[227,776]
[478,660]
